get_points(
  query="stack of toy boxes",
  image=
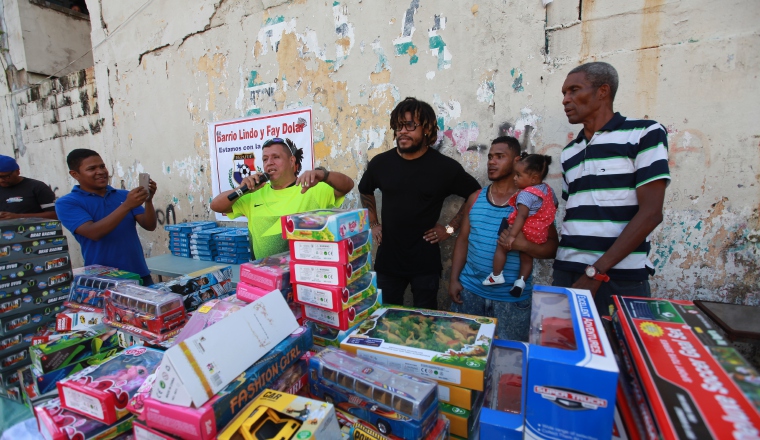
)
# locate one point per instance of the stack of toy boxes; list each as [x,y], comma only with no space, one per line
[201,286]
[686,379]
[179,236]
[233,247]
[503,413]
[35,277]
[450,348]
[262,276]
[203,245]
[86,301]
[330,264]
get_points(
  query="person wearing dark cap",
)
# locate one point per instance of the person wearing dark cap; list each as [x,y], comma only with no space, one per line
[22,197]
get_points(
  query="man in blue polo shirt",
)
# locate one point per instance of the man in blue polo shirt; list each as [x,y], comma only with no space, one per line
[103,219]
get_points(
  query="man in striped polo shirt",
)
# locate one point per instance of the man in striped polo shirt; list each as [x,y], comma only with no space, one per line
[614,176]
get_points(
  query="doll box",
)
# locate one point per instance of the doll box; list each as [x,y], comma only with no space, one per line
[73,347]
[347,318]
[34,265]
[32,248]
[205,422]
[503,413]
[325,224]
[19,230]
[336,298]
[271,273]
[342,251]
[331,274]
[57,423]
[101,392]
[455,353]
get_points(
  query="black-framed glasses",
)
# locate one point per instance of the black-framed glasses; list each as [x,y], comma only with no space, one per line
[407,125]
[287,142]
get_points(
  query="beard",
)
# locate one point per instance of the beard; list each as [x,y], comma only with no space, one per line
[410,149]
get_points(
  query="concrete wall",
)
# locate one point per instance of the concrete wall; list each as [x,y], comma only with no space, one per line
[164,70]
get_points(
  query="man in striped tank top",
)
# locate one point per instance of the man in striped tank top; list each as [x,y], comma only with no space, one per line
[472,259]
[614,176]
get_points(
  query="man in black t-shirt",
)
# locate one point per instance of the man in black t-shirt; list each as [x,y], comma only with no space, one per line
[415,180]
[22,197]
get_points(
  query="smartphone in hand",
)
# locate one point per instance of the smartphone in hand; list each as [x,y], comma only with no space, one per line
[144,181]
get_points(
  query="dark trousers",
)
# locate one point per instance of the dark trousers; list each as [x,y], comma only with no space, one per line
[147,280]
[424,289]
[603,297]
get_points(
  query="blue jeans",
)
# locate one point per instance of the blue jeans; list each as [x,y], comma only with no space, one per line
[603,297]
[513,316]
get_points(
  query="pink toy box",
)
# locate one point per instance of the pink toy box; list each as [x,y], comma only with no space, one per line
[347,318]
[331,274]
[336,298]
[325,224]
[342,251]
[101,392]
[271,273]
[207,315]
[248,293]
[56,423]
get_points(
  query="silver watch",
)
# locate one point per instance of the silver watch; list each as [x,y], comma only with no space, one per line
[449,229]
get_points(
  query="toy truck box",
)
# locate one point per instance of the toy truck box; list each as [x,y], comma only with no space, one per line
[219,290]
[331,274]
[73,347]
[325,224]
[24,302]
[34,265]
[189,227]
[195,281]
[57,423]
[336,298]
[341,252]
[32,248]
[294,417]
[503,411]
[572,372]
[345,319]
[271,273]
[205,422]
[33,282]
[30,319]
[685,365]
[448,347]
[88,292]
[20,230]
[258,327]
[102,391]
[152,314]
[354,428]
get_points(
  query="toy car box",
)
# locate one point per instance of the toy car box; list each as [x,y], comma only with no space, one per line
[258,327]
[101,392]
[220,290]
[149,313]
[336,298]
[34,265]
[324,224]
[341,251]
[16,340]
[345,319]
[272,272]
[195,281]
[189,227]
[88,293]
[23,302]
[455,351]
[503,413]
[572,372]
[205,422]
[684,361]
[20,230]
[332,274]
[73,347]
[57,423]
[233,235]
[25,249]
[11,360]
[33,282]
[29,319]
[297,417]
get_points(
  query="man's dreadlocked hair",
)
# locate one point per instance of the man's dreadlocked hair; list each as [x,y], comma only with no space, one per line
[420,110]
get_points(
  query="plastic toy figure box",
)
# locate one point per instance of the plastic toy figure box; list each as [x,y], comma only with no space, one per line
[325,224]
[330,274]
[341,251]
[210,418]
[345,319]
[695,383]
[448,347]
[18,230]
[572,372]
[101,392]
[34,265]
[336,298]
[503,411]
[277,415]
[57,423]
[26,249]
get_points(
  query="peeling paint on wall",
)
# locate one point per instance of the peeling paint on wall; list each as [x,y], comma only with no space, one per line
[437,45]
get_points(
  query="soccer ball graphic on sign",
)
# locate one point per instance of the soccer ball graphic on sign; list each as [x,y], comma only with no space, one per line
[242,167]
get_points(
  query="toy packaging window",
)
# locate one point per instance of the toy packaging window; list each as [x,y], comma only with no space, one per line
[505,393]
[551,323]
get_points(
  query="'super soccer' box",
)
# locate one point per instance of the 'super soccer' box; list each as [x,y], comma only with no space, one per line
[341,251]
[25,249]
[345,319]
[34,265]
[503,412]
[336,298]
[695,383]
[330,274]
[444,346]
[18,230]
[572,372]
[325,224]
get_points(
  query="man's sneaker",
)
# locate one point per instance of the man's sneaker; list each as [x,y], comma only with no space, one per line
[494,279]
[517,288]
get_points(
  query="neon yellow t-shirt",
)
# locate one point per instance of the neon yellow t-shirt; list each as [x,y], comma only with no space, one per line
[264,208]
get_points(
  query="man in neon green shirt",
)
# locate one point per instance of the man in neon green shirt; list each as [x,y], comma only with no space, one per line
[286,193]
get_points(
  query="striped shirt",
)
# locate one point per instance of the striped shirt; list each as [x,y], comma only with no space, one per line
[600,178]
[485,220]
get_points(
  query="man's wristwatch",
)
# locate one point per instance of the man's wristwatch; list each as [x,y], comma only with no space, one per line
[593,273]
[327,173]
[449,229]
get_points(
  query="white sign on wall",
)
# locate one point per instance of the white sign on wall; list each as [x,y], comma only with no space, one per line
[235,146]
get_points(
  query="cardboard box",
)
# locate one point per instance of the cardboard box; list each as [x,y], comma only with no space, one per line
[342,251]
[46,382]
[231,260]
[271,273]
[314,419]
[93,269]
[326,336]
[204,422]
[246,292]
[458,396]
[354,428]
[57,423]
[34,265]
[33,282]
[73,347]
[16,340]
[10,360]
[233,246]
[324,224]
[455,354]
[233,235]
[258,327]
[336,298]
[30,319]
[572,372]
[686,365]
[503,413]
[462,420]
[189,227]
[102,392]
[26,229]
[26,249]
[72,320]
[89,291]
[331,274]
[208,234]
[25,302]
[196,281]
[345,319]
[144,432]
